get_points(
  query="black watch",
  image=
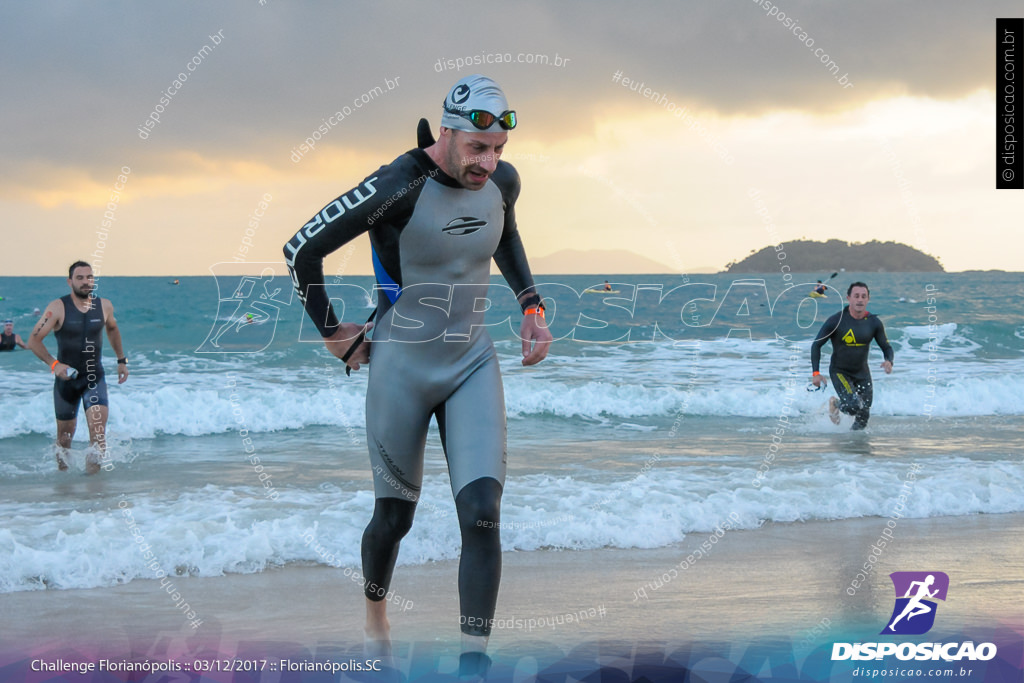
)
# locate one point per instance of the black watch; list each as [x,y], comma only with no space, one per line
[122,361]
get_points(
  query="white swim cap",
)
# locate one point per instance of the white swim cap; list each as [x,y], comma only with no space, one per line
[469,103]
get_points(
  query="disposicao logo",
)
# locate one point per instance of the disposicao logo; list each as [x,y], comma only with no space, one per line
[914,614]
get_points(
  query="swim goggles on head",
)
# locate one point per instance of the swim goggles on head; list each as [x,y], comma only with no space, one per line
[483,119]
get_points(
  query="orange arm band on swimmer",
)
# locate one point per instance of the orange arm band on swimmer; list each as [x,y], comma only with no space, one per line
[815,373]
[534,310]
[53,366]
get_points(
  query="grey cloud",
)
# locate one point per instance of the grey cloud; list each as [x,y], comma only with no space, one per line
[80,78]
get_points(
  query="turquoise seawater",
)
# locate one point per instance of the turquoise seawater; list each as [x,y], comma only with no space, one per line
[662,409]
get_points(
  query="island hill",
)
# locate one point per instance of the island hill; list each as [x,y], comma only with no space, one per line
[807,256]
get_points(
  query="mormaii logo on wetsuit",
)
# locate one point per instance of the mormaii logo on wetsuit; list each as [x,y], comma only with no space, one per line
[464,225]
[916,592]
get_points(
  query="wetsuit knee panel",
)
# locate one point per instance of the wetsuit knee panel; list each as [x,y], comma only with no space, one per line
[391,521]
[392,518]
[479,504]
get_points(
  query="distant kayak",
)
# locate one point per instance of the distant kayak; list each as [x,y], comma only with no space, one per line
[600,291]
[815,295]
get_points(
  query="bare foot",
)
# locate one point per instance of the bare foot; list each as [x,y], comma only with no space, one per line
[833,410]
[91,465]
[474,662]
[376,646]
[377,633]
[474,643]
[473,666]
[62,464]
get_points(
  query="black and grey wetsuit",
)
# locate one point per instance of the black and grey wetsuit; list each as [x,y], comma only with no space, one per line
[851,377]
[7,342]
[79,345]
[432,245]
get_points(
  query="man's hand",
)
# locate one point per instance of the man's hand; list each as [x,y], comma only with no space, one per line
[887,366]
[818,380]
[536,339]
[347,334]
[122,372]
[60,371]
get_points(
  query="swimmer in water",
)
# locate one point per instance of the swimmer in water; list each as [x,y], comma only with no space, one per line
[8,339]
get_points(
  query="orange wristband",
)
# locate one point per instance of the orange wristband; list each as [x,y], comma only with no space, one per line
[534,310]
[815,373]
[53,366]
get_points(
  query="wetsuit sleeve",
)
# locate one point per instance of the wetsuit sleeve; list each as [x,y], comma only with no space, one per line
[824,334]
[883,341]
[510,254]
[341,221]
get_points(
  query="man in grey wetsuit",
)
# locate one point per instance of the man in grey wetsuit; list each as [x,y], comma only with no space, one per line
[77,321]
[435,217]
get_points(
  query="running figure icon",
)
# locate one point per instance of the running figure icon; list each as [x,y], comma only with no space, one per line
[915,606]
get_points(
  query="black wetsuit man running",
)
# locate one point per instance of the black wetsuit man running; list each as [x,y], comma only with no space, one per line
[436,217]
[78,321]
[851,331]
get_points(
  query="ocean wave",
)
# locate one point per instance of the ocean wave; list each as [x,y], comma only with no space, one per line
[214,530]
[939,389]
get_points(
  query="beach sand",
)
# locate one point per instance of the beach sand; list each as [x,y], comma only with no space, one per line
[780,580]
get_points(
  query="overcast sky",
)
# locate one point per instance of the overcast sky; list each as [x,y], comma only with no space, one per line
[898,144]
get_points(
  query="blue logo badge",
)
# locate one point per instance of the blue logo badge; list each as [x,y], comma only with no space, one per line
[916,592]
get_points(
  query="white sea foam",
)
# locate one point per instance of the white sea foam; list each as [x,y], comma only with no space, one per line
[216,530]
[574,390]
